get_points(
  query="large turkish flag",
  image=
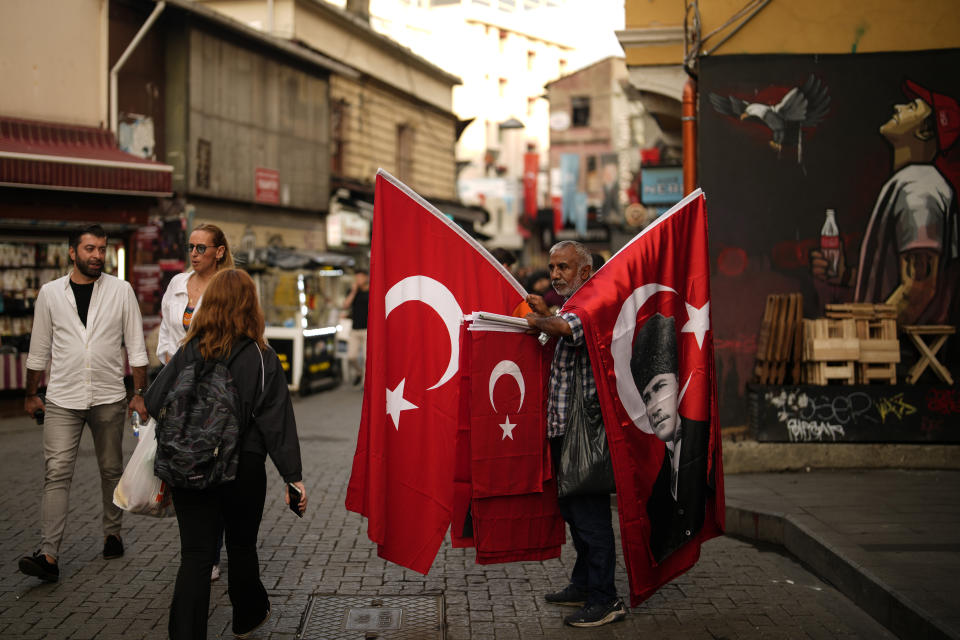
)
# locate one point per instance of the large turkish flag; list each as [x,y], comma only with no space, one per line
[426,273]
[646,319]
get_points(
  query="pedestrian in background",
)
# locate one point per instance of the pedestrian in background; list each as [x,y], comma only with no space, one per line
[81,324]
[357,301]
[230,320]
[591,587]
[209,252]
[505,257]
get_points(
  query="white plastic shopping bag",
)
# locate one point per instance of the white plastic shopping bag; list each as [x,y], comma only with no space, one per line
[139,490]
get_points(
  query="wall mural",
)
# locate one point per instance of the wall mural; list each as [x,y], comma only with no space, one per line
[802,108]
[835,176]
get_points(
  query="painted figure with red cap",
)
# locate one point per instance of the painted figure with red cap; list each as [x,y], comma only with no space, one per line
[910,255]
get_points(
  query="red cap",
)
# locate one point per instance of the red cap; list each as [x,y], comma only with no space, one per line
[946,112]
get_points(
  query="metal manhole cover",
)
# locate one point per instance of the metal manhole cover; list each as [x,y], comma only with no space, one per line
[387,617]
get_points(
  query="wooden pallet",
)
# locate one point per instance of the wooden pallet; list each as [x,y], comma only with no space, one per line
[879,351]
[779,340]
[831,350]
[861,310]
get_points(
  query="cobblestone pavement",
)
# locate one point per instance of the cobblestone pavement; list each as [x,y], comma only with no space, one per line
[737,590]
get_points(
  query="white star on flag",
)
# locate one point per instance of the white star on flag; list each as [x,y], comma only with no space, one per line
[507,429]
[397,403]
[699,322]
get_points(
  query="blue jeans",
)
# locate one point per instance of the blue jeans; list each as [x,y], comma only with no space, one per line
[591,528]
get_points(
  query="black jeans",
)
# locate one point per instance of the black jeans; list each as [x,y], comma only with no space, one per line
[236,508]
[591,528]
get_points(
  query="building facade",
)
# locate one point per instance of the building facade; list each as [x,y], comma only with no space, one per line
[504,53]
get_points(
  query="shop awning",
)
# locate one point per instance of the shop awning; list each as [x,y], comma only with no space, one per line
[48,155]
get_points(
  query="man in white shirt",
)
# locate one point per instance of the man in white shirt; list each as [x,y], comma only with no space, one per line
[81,324]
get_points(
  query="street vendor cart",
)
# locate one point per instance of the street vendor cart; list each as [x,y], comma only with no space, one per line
[301,294]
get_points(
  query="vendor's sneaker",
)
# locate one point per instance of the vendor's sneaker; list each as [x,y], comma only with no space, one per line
[37,565]
[112,547]
[571,596]
[215,573]
[597,615]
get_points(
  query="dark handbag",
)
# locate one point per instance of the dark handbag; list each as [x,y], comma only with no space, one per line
[584,466]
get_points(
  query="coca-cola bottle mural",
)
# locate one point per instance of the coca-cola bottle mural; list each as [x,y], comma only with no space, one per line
[830,243]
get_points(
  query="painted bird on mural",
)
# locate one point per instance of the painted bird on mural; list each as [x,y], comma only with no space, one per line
[802,107]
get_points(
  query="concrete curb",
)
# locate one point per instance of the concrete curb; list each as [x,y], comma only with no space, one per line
[837,566]
[764,457]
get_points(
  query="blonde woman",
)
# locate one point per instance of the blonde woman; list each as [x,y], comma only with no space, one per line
[209,252]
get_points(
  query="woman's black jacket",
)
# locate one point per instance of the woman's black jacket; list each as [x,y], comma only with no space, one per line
[269,426]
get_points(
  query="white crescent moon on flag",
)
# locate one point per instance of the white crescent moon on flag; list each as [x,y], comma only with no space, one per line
[504,368]
[437,297]
[621,347]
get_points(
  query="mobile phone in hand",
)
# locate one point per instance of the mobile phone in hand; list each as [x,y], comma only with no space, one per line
[294,494]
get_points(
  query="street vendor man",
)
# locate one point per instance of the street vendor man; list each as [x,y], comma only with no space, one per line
[591,586]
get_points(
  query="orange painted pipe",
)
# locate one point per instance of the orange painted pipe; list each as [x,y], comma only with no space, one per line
[688,125]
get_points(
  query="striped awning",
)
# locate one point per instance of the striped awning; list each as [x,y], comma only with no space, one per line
[49,155]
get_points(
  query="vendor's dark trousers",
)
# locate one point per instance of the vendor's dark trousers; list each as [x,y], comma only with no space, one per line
[591,528]
[237,508]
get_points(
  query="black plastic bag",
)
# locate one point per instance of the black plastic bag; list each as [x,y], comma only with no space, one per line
[584,466]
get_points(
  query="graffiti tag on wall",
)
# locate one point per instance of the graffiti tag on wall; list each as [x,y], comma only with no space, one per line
[856,414]
[817,418]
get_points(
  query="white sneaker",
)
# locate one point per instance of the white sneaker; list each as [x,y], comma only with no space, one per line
[215,573]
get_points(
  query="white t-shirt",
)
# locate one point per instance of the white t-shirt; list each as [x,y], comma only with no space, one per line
[916,209]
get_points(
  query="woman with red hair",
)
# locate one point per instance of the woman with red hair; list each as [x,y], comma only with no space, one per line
[230,329]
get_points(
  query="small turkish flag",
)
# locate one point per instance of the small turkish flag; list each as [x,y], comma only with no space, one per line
[425,274]
[518,527]
[505,497]
[509,374]
[646,321]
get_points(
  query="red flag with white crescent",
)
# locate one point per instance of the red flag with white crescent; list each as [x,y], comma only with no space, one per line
[426,273]
[646,320]
[509,373]
[518,528]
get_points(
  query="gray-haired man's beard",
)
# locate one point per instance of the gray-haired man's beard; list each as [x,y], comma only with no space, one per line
[566,289]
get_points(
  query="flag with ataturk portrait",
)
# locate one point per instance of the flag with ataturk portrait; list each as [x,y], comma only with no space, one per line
[646,322]
[426,273]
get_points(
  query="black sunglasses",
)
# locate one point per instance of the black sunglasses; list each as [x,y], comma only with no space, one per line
[201,248]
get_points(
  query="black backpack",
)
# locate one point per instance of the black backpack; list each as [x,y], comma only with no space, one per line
[199,424]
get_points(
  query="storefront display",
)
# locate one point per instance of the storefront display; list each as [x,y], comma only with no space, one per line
[302,307]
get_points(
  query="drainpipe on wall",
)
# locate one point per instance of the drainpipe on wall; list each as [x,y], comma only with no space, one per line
[688,126]
[114,116]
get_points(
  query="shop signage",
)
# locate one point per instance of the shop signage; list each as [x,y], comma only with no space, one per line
[346,227]
[661,185]
[266,185]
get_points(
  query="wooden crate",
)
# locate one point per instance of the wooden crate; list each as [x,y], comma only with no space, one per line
[831,350]
[823,373]
[861,310]
[879,351]
[779,340]
[869,372]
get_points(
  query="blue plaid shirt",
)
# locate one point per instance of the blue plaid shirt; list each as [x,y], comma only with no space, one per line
[561,376]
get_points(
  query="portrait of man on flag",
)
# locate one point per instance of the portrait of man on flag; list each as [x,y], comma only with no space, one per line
[677,500]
